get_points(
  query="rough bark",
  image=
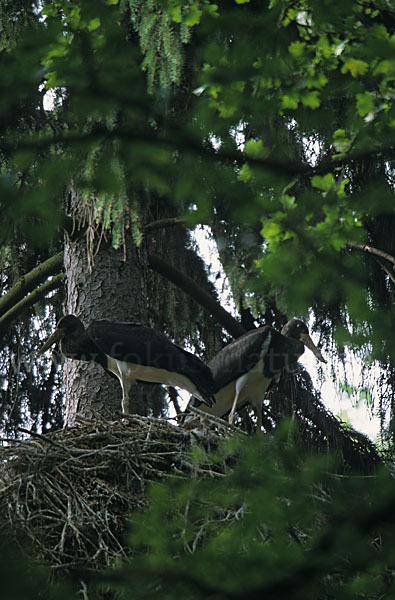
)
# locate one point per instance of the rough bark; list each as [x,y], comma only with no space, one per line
[114,288]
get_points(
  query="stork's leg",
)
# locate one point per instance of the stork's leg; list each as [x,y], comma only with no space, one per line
[123,371]
[126,384]
[231,417]
[240,382]
[125,402]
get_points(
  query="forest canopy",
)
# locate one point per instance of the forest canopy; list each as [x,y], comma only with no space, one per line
[126,125]
[271,123]
[297,96]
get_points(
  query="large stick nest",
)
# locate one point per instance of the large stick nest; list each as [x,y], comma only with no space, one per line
[69,492]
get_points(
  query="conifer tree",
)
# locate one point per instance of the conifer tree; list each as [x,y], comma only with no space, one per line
[282,143]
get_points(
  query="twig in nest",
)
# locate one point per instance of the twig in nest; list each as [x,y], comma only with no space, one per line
[216,420]
[39,436]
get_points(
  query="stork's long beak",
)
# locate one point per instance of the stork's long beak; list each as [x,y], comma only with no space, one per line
[57,335]
[308,342]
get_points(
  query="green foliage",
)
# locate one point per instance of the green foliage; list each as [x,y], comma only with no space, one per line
[82,52]
[313,69]
[301,76]
[22,578]
[161,39]
[107,199]
[314,99]
[278,525]
[308,87]
[15,15]
[190,13]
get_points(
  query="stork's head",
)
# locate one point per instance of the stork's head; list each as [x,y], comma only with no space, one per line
[297,330]
[70,325]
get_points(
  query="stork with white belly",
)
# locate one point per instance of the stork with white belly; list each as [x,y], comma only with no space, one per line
[133,352]
[244,369]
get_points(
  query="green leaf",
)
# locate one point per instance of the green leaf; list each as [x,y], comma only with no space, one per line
[365,103]
[288,201]
[211,9]
[93,24]
[311,100]
[297,48]
[341,141]
[245,173]
[355,66]
[256,149]
[175,13]
[318,81]
[323,182]
[272,232]
[193,15]
[288,101]
[385,67]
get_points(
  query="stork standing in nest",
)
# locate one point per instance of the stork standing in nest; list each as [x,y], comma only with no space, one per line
[133,352]
[244,369]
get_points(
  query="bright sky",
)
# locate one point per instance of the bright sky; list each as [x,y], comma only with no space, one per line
[337,400]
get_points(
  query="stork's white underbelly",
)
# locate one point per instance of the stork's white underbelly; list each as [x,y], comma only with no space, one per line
[130,372]
[251,386]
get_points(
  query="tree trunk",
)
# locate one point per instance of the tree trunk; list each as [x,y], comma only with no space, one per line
[115,288]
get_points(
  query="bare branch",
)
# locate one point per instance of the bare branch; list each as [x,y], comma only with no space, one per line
[372,250]
[386,270]
[190,287]
[161,223]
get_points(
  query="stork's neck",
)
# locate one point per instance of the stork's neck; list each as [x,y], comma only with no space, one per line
[79,345]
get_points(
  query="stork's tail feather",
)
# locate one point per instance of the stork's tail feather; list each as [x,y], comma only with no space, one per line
[204,382]
[209,400]
[206,386]
[201,376]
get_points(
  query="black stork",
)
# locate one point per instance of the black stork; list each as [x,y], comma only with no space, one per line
[244,369]
[133,352]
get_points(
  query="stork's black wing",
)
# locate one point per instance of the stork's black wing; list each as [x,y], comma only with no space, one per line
[278,351]
[138,344]
[240,356]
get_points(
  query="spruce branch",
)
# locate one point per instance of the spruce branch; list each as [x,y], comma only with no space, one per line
[29,282]
[190,287]
[162,223]
[179,140]
[29,300]
[25,292]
